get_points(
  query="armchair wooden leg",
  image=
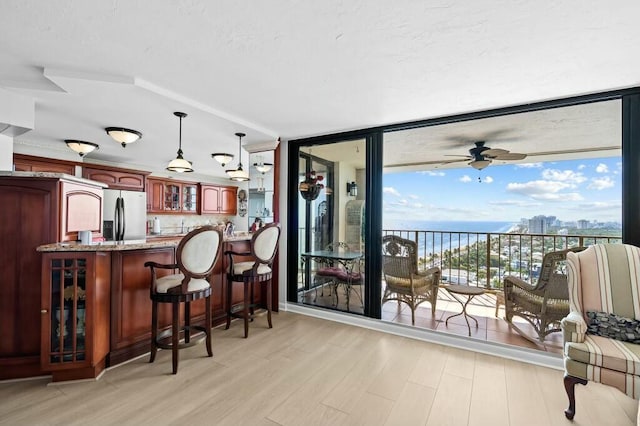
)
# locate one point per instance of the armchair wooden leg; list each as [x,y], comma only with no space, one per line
[569,386]
[187,322]
[229,298]
[207,324]
[175,338]
[154,330]
[269,302]
[245,308]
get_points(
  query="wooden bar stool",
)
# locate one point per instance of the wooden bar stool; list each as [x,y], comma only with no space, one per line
[264,246]
[197,254]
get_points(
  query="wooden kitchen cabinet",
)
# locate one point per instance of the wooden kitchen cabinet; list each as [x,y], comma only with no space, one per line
[81,210]
[131,305]
[75,314]
[31,216]
[169,196]
[28,163]
[116,178]
[219,199]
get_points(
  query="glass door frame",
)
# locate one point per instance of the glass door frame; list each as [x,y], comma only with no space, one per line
[374,163]
[373,214]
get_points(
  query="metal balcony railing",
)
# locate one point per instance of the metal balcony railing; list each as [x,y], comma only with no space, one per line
[483,259]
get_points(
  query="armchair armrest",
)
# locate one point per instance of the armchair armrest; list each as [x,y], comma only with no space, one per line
[574,327]
[161,265]
[511,281]
[235,253]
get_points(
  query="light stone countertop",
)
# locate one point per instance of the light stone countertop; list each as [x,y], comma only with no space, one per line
[149,243]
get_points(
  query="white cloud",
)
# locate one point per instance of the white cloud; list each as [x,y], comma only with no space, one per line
[530,165]
[600,205]
[515,203]
[601,183]
[582,167]
[465,179]
[546,190]
[431,173]
[602,168]
[413,197]
[563,175]
[390,190]
[487,179]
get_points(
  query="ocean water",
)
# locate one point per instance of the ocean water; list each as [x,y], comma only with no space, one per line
[444,235]
[449,226]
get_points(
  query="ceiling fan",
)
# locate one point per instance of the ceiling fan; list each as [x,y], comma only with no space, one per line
[481,156]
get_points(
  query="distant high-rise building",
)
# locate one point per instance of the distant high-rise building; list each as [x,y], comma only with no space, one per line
[583,224]
[537,225]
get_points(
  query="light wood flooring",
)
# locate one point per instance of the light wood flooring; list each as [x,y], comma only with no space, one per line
[308,371]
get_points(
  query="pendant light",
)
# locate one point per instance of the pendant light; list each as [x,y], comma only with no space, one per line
[81,147]
[261,166]
[238,174]
[180,165]
[122,135]
[222,157]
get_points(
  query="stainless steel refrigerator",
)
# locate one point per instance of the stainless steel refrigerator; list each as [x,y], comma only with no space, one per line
[124,215]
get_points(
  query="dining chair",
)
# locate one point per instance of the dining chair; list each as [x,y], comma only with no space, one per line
[264,246]
[196,256]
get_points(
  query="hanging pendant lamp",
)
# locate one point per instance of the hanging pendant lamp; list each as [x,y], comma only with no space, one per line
[180,165]
[238,174]
[81,147]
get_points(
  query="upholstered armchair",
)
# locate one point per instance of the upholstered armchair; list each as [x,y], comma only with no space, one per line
[403,281]
[604,282]
[544,304]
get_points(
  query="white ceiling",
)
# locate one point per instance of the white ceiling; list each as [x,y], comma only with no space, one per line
[293,69]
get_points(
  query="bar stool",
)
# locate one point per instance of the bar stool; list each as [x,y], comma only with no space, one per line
[197,254]
[264,246]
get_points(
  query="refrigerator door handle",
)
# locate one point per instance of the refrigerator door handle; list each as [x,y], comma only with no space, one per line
[123,221]
[116,223]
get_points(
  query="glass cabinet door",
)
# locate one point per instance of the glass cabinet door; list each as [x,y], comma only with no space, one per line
[67,310]
[189,198]
[171,197]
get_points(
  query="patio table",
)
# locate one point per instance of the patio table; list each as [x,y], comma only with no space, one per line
[470,293]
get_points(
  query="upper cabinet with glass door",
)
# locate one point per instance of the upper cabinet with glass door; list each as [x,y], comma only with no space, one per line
[260,206]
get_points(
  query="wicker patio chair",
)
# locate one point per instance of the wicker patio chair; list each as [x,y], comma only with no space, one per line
[542,305]
[404,282]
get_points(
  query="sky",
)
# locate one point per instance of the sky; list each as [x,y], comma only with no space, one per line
[570,190]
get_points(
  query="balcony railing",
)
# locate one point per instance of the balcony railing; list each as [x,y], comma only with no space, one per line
[483,259]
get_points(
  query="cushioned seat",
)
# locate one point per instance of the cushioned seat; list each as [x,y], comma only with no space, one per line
[264,246]
[604,278]
[196,256]
[542,305]
[403,281]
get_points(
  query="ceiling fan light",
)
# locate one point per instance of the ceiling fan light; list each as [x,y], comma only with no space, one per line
[222,157]
[81,147]
[479,164]
[122,135]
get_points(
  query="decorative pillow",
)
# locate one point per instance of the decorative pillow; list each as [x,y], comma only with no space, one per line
[613,326]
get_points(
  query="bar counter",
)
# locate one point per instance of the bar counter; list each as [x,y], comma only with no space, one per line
[150,242]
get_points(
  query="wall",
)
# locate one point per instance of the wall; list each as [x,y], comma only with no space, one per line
[6,153]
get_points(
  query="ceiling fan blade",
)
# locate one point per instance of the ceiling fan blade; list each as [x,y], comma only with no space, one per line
[510,156]
[455,161]
[462,156]
[494,152]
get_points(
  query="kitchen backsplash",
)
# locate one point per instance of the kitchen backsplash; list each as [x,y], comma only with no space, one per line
[178,224]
